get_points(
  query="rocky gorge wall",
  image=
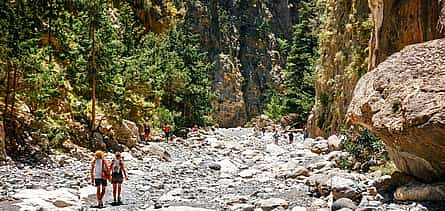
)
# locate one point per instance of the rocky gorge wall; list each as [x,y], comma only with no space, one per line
[241,37]
[394,25]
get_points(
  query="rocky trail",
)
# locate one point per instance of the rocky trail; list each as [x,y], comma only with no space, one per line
[229,169]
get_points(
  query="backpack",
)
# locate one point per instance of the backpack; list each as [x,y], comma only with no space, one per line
[105,172]
[117,169]
[167,128]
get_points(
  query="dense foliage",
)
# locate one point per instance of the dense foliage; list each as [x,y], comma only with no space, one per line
[299,96]
[365,150]
[81,61]
[301,62]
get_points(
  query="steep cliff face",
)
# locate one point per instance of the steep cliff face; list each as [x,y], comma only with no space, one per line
[395,24]
[401,23]
[343,41]
[241,38]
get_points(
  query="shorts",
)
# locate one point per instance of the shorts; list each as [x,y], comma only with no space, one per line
[99,182]
[117,178]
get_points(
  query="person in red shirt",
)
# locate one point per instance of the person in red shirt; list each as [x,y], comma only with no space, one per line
[166,131]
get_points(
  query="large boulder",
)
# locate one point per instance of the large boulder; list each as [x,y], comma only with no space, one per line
[421,192]
[403,102]
[127,133]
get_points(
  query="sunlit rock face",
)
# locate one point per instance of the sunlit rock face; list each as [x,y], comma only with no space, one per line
[352,51]
[403,101]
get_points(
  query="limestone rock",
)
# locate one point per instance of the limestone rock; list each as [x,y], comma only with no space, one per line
[412,26]
[227,166]
[344,188]
[299,171]
[155,149]
[299,209]
[334,143]
[343,203]
[274,149]
[98,142]
[61,204]
[51,200]
[126,133]
[173,195]
[268,204]
[320,146]
[248,173]
[177,208]
[214,166]
[421,192]
[403,101]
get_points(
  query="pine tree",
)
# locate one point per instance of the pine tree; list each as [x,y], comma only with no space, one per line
[301,63]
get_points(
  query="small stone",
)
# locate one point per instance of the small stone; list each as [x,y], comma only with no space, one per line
[343,203]
[215,166]
[61,204]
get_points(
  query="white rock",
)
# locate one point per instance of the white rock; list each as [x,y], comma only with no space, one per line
[274,149]
[173,195]
[299,209]
[87,191]
[136,172]
[179,208]
[334,143]
[127,156]
[272,203]
[228,167]
[344,188]
[249,153]
[249,173]
[265,177]
[44,199]
[238,207]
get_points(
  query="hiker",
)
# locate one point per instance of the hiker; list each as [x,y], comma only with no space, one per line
[166,131]
[147,136]
[99,175]
[195,129]
[263,130]
[117,177]
[305,132]
[291,137]
[276,136]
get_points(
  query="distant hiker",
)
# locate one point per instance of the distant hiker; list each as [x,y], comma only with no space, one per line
[195,129]
[305,133]
[99,175]
[117,176]
[263,130]
[166,131]
[276,136]
[147,130]
[291,137]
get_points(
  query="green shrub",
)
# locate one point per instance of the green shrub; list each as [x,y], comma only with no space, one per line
[364,148]
[276,108]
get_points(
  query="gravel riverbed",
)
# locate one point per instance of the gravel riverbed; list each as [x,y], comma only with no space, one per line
[228,169]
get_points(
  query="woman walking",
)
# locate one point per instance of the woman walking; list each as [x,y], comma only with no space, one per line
[117,176]
[99,175]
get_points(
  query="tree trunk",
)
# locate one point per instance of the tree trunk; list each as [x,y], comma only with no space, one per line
[8,89]
[93,97]
[2,142]
[14,87]
[93,82]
